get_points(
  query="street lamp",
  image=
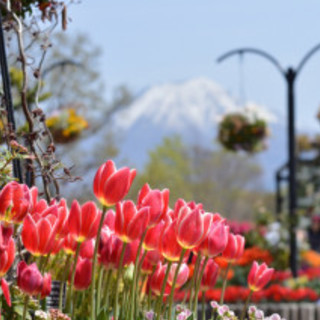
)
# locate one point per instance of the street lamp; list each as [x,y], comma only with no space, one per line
[290,75]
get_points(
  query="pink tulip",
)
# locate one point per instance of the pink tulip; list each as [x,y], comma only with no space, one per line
[7,250]
[182,277]
[210,276]
[151,241]
[235,247]
[156,200]
[82,279]
[259,276]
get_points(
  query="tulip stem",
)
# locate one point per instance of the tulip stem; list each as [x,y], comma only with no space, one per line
[101,272]
[174,282]
[62,283]
[193,280]
[116,295]
[94,264]
[244,310]
[149,289]
[198,283]
[164,283]
[224,285]
[74,267]
[203,302]
[135,278]
[107,287]
[25,307]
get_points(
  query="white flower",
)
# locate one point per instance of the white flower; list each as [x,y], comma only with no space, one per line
[214,304]
[39,314]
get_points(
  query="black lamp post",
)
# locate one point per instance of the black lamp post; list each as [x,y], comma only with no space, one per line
[290,76]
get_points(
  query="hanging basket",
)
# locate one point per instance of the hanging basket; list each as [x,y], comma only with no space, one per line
[66,125]
[239,133]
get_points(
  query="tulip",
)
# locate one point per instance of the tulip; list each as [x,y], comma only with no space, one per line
[182,276]
[234,249]
[62,214]
[259,276]
[156,200]
[192,226]
[84,221]
[69,245]
[5,291]
[210,276]
[130,223]
[151,240]
[168,244]
[110,219]
[180,203]
[216,241]
[30,280]
[38,234]
[46,285]
[82,279]
[15,202]
[37,206]
[157,280]
[111,185]
[7,250]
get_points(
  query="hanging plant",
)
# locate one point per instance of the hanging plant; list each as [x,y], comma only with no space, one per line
[66,125]
[237,131]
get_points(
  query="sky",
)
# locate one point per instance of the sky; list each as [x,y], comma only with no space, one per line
[149,42]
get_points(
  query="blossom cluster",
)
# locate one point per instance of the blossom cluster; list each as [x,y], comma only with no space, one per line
[98,244]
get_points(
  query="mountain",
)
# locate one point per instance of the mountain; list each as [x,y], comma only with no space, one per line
[191,109]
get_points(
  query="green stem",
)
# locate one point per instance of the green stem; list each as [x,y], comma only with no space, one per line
[99,289]
[65,274]
[198,284]
[150,291]
[94,264]
[25,307]
[244,310]
[193,280]
[174,282]
[116,295]
[203,302]
[137,296]
[134,280]
[160,299]
[224,285]
[74,300]
[107,291]
[73,276]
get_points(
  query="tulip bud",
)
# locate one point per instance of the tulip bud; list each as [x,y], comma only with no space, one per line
[235,247]
[156,200]
[210,276]
[82,279]
[192,227]
[15,202]
[157,279]
[130,223]
[259,276]
[182,277]
[111,185]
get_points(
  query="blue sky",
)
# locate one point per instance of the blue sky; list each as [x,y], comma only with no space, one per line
[147,42]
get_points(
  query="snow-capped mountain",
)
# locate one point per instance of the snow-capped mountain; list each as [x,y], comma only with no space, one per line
[191,109]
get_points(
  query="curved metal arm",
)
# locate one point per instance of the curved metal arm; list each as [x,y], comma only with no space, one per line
[307,57]
[254,51]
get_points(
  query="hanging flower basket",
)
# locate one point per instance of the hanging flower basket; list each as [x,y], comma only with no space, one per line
[238,132]
[66,125]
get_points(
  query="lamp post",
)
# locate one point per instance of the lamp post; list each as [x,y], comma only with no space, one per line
[290,75]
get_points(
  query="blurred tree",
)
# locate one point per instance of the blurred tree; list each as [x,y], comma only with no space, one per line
[224,182]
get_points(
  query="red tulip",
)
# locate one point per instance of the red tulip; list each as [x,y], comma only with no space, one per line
[156,200]
[151,241]
[46,285]
[38,234]
[84,221]
[5,291]
[151,259]
[62,214]
[180,203]
[110,219]
[30,280]
[235,247]
[82,278]
[130,223]
[216,241]
[183,274]
[7,250]
[192,226]
[37,206]
[15,202]
[168,244]
[111,185]
[157,279]
[210,276]
[259,276]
